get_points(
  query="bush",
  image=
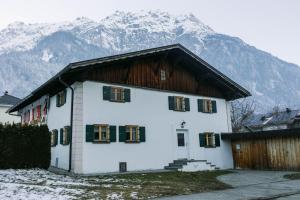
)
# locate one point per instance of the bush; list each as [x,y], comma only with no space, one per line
[24,146]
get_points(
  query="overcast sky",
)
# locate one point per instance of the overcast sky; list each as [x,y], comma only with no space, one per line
[270,25]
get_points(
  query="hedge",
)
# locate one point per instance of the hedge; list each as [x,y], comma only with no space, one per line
[24,146]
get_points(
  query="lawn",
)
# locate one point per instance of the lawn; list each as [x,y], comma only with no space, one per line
[41,184]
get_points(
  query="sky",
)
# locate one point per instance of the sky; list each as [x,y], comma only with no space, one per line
[269,25]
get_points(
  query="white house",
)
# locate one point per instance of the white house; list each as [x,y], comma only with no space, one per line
[7,101]
[146,110]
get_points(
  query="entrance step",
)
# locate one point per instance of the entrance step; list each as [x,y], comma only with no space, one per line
[191,165]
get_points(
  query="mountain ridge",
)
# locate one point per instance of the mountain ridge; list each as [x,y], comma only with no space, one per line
[48,47]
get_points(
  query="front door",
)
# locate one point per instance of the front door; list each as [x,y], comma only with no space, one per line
[182,144]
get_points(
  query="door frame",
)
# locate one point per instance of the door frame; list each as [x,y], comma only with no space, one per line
[186,140]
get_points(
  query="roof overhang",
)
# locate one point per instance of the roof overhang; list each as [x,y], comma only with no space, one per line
[261,134]
[236,90]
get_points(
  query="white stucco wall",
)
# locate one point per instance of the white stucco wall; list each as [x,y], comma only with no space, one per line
[7,118]
[150,108]
[57,118]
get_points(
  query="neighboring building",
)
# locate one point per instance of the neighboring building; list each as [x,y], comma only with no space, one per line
[272,121]
[7,101]
[136,111]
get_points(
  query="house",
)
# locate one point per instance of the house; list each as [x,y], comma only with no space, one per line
[136,111]
[7,101]
[277,120]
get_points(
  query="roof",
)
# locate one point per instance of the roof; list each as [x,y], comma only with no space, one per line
[274,118]
[261,134]
[237,91]
[7,99]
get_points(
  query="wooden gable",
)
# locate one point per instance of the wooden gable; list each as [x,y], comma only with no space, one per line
[147,73]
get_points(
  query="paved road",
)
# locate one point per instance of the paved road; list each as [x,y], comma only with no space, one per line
[251,185]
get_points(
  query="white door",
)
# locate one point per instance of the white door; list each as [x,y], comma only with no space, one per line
[182,144]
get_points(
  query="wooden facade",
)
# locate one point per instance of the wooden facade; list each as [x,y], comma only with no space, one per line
[268,152]
[146,73]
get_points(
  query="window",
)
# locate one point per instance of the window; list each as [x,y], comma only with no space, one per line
[117,94]
[65,135]
[180,139]
[54,134]
[162,75]
[132,134]
[101,133]
[209,139]
[207,106]
[61,98]
[178,103]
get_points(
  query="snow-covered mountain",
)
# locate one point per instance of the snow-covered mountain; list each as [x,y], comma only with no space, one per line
[31,53]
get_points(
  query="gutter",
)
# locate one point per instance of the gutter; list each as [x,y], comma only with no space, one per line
[71,119]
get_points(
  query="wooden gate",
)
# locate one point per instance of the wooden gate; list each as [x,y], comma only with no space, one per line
[276,151]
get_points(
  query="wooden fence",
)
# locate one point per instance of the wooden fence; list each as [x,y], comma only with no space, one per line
[276,150]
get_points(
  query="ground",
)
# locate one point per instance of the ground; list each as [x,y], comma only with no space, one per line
[250,185]
[41,184]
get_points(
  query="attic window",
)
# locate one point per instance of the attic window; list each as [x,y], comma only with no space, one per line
[162,75]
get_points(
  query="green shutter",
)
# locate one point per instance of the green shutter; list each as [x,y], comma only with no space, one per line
[200,105]
[202,140]
[127,95]
[89,133]
[106,93]
[56,137]
[68,129]
[57,100]
[214,106]
[61,136]
[112,133]
[122,134]
[217,140]
[142,131]
[171,103]
[65,96]
[187,104]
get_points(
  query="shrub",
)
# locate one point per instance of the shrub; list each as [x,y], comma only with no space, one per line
[24,146]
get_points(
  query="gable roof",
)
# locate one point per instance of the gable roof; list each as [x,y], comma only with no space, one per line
[7,99]
[269,119]
[235,89]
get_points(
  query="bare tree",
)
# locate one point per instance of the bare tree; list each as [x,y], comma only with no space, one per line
[240,110]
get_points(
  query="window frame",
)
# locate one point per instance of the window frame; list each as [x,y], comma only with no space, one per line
[130,131]
[163,75]
[114,95]
[207,106]
[179,101]
[53,138]
[210,140]
[100,128]
[61,98]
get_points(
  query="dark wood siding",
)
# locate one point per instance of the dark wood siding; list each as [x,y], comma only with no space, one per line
[146,73]
[278,153]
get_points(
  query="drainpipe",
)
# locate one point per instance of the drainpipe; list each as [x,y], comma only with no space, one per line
[71,119]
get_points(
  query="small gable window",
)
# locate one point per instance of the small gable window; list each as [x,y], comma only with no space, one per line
[207,106]
[61,98]
[209,139]
[162,75]
[116,94]
[178,103]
